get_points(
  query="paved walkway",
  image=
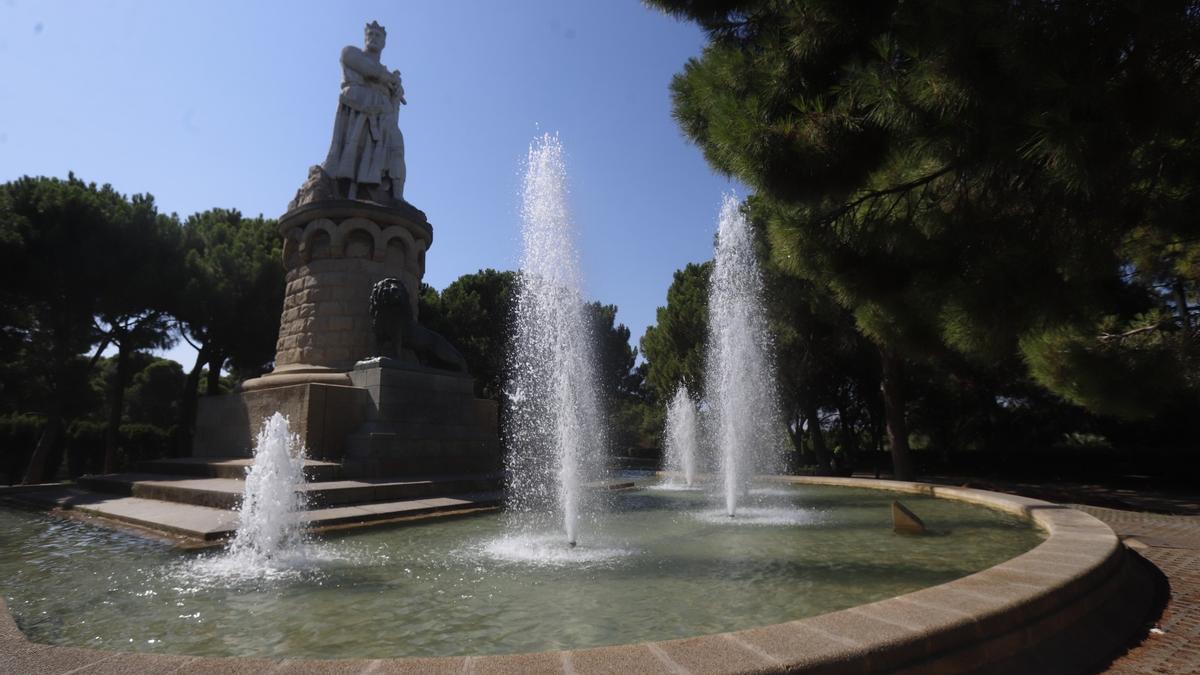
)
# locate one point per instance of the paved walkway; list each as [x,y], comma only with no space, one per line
[1171,543]
[1163,526]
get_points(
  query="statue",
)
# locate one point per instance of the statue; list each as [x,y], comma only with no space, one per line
[367,151]
[397,330]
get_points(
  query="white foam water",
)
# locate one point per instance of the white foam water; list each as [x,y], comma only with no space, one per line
[740,373]
[553,433]
[270,541]
[763,516]
[681,438]
[549,550]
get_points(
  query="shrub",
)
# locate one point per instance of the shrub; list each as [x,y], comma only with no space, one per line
[140,442]
[18,436]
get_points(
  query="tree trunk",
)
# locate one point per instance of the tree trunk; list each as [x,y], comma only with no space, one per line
[214,375]
[991,413]
[944,443]
[46,446]
[187,406]
[797,435]
[849,442]
[892,388]
[874,416]
[1185,316]
[112,435]
[49,442]
[824,463]
[806,454]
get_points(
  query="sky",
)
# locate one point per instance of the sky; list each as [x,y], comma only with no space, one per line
[227,104]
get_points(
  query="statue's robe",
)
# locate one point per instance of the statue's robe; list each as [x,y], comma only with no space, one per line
[366,136]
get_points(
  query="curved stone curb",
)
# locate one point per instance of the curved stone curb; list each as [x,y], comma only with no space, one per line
[990,621]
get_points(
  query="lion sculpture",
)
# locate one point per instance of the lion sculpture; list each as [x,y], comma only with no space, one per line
[397,330]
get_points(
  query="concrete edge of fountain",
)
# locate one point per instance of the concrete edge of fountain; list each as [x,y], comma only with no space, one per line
[1066,605]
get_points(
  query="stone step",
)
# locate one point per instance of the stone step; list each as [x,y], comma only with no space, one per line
[226,493]
[232,467]
[198,522]
[211,524]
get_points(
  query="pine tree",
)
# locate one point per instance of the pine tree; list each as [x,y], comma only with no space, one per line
[968,177]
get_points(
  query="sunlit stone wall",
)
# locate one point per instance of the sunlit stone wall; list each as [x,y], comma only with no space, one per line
[332,262]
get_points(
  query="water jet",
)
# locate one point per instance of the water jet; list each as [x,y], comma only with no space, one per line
[740,377]
[553,430]
[681,437]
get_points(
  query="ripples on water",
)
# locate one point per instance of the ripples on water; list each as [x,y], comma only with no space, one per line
[662,564]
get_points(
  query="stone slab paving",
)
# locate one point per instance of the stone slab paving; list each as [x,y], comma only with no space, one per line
[1171,543]
[197,522]
[205,523]
[226,493]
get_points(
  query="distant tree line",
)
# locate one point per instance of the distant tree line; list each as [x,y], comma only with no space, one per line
[980,217]
[84,271]
[92,282]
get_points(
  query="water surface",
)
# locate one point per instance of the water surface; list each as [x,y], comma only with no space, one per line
[664,564]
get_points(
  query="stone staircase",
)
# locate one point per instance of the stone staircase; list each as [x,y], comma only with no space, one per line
[197,498]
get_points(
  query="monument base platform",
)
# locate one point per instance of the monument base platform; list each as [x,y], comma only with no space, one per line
[322,415]
[297,374]
[421,420]
[391,418]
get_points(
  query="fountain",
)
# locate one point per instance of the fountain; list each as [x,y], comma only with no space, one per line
[660,573]
[819,561]
[553,432]
[740,375]
[681,436]
[269,518]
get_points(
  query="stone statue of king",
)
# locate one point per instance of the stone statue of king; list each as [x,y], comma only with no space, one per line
[367,151]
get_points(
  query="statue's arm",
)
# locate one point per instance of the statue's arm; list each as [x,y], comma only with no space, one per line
[398,90]
[354,59]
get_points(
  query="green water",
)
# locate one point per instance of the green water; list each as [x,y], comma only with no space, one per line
[663,564]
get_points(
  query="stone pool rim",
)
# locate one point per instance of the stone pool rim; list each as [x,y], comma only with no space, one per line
[1079,572]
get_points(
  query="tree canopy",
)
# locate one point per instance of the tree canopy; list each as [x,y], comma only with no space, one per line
[62,242]
[980,180]
[85,270]
[676,345]
[474,314]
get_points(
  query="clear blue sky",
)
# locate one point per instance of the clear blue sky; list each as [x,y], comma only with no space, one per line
[227,104]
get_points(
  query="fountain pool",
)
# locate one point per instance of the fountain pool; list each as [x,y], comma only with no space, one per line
[663,564]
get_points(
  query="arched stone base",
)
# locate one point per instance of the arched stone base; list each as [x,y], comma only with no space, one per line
[334,251]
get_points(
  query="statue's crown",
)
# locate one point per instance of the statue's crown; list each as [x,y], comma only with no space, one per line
[374,25]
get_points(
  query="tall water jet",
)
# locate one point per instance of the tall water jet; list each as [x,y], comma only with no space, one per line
[740,372]
[269,519]
[554,437]
[682,435]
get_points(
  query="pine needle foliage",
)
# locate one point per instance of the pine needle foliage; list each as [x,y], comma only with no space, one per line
[988,177]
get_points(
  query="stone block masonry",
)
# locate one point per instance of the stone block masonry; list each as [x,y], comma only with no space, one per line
[334,252]
[322,415]
[419,421]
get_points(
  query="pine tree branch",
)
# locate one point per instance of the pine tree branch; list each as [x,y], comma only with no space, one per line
[1116,337]
[894,190]
[183,334]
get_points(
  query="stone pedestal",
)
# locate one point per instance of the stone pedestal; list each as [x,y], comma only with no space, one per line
[380,417]
[421,420]
[397,419]
[334,251]
[322,415]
